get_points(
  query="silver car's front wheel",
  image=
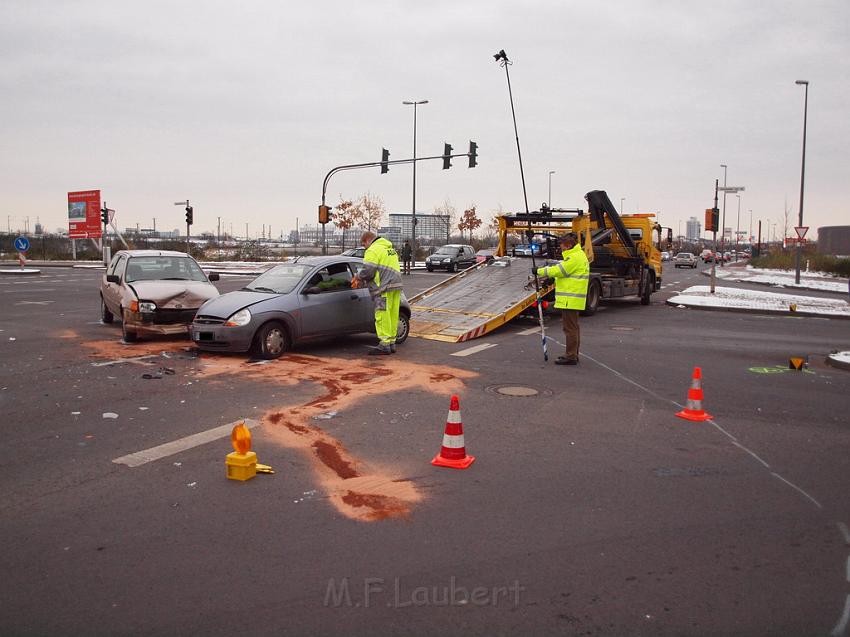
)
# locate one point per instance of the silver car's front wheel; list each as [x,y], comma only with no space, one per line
[271,341]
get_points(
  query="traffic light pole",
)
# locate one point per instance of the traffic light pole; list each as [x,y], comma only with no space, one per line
[373,164]
[714,244]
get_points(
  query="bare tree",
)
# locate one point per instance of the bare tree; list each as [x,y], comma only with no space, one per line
[370,210]
[447,209]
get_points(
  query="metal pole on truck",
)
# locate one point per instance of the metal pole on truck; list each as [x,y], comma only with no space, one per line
[503,60]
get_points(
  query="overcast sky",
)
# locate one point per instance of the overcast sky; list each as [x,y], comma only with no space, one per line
[242,107]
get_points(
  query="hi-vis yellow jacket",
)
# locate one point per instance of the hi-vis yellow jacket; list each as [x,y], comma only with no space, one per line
[571,278]
[381,270]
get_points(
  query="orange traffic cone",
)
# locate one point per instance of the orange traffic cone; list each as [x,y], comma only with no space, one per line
[453,452]
[693,410]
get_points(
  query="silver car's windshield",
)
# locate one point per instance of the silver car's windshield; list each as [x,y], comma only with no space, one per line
[445,250]
[163,269]
[281,279]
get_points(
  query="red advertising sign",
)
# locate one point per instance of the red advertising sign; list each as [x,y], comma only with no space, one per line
[84,215]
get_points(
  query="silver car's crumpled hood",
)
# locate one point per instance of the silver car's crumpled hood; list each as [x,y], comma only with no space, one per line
[227,304]
[175,294]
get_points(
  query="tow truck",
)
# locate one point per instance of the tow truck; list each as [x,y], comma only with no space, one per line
[625,261]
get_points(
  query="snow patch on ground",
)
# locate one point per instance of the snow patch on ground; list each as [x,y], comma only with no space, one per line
[841,357]
[822,281]
[733,298]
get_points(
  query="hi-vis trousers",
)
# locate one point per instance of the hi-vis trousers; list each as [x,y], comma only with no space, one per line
[386,316]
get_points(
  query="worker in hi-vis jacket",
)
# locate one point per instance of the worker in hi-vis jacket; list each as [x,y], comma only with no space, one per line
[572,276]
[382,274]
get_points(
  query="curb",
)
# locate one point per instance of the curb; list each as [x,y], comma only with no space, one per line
[19,272]
[834,362]
[744,310]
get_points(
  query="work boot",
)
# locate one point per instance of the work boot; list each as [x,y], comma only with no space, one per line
[381,350]
[563,360]
[392,347]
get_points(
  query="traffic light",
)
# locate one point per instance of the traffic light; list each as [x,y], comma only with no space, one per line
[712,219]
[473,154]
[189,216]
[325,213]
[447,156]
[385,157]
[104,215]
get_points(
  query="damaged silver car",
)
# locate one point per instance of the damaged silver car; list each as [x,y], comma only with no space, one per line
[154,292]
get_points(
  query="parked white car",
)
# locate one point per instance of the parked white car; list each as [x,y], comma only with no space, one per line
[685,260]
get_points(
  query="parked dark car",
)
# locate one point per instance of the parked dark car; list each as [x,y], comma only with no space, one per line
[451,257]
[307,298]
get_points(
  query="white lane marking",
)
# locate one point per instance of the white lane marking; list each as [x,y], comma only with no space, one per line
[530,330]
[841,626]
[474,349]
[182,444]
[845,532]
[794,486]
[34,302]
[738,444]
[16,290]
[117,361]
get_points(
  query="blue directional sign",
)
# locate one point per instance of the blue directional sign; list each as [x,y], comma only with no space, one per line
[22,244]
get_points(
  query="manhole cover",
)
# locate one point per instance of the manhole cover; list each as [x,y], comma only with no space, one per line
[516,390]
[623,329]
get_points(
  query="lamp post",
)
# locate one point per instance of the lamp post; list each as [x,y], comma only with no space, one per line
[737,226]
[802,178]
[413,220]
[723,223]
[551,172]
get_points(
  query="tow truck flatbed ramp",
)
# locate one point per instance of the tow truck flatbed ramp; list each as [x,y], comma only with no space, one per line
[474,302]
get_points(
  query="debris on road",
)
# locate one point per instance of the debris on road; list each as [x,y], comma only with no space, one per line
[325,416]
[109,414]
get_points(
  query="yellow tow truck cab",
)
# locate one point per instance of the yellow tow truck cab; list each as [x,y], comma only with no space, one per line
[624,251]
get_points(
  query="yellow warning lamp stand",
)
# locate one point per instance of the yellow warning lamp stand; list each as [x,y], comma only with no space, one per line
[242,463]
[796,363]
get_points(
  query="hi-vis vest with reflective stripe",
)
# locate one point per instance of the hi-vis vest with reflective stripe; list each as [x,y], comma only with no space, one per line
[571,278]
[382,270]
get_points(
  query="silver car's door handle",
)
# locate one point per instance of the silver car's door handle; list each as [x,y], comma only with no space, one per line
[354,297]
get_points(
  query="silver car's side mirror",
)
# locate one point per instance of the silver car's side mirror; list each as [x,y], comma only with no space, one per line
[113,278]
[214,276]
[312,290]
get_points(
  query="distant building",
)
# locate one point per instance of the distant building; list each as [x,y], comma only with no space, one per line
[834,240]
[430,229]
[693,229]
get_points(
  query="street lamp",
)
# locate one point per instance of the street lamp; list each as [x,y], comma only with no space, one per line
[723,223]
[802,178]
[737,226]
[413,220]
[551,172]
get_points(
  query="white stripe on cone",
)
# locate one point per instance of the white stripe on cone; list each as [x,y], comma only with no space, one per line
[453,418]
[453,442]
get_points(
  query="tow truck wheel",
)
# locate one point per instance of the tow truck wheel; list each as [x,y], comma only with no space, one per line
[593,296]
[647,290]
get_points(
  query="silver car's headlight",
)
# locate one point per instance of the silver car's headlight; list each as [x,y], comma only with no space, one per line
[447,260]
[240,318]
[147,306]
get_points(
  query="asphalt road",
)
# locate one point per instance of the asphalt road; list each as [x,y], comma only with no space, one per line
[590,509]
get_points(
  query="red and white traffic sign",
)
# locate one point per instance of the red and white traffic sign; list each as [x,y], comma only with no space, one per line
[801,231]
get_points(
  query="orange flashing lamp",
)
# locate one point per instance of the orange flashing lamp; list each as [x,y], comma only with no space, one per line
[242,462]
